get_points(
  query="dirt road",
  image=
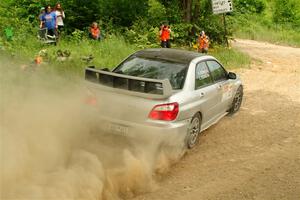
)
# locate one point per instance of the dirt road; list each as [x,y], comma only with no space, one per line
[256,153]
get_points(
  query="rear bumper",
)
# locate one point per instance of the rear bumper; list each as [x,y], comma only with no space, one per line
[152,131]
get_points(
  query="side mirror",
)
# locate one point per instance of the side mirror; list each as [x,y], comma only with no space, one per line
[231,75]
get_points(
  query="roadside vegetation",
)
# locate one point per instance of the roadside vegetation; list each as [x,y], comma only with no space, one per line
[274,21]
[131,26]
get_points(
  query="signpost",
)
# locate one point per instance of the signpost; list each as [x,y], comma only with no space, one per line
[222,6]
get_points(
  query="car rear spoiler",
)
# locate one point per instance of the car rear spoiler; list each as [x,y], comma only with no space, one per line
[131,85]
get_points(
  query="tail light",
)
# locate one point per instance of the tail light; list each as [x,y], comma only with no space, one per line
[166,112]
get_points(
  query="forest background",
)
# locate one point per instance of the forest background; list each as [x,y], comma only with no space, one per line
[129,25]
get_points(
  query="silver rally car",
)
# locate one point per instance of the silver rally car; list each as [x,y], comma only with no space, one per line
[163,93]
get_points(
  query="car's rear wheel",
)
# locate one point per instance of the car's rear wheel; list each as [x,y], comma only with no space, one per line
[237,101]
[193,131]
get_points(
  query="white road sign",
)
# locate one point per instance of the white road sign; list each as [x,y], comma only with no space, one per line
[221,6]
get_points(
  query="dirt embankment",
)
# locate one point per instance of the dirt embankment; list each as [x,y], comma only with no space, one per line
[256,153]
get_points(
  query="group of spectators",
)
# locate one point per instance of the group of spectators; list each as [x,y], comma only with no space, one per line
[165,32]
[52,19]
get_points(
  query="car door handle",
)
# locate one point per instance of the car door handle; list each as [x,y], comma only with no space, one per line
[219,87]
[202,94]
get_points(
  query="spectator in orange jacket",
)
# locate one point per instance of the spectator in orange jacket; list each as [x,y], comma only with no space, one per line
[95,31]
[164,34]
[203,42]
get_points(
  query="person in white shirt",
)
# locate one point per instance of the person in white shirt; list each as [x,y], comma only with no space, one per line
[60,15]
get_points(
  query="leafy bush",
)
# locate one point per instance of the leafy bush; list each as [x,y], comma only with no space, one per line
[122,12]
[77,35]
[250,6]
[156,12]
[256,27]
[182,33]
[214,27]
[287,11]
[142,34]
[173,11]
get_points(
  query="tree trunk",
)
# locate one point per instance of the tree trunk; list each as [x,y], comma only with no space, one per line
[196,13]
[187,10]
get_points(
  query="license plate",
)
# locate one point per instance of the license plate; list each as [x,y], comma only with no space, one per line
[118,129]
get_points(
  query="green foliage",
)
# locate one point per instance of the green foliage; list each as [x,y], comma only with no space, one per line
[174,12]
[123,12]
[231,58]
[250,6]
[13,14]
[182,34]
[142,34]
[156,12]
[257,27]
[138,22]
[106,53]
[77,36]
[262,27]
[144,31]
[287,11]
[140,18]
[213,25]
[81,14]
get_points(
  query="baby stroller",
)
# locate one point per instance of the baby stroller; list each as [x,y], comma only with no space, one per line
[45,38]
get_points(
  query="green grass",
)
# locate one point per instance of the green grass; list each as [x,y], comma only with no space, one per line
[231,58]
[107,53]
[260,28]
[277,35]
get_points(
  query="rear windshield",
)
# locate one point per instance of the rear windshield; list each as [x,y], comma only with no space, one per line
[155,69]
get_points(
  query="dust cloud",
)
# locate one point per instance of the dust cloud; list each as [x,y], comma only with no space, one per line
[49,149]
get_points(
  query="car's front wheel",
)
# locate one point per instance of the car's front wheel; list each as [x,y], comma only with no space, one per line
[237,101]
[193,131]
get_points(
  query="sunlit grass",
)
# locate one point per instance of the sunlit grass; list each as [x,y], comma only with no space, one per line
[256,28]
[280,36]
[105,53]
[231,58]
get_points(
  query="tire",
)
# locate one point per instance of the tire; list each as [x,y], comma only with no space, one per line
[237,101]
[193,131]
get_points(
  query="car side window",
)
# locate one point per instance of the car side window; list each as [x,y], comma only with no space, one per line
[202,75]
[218,73]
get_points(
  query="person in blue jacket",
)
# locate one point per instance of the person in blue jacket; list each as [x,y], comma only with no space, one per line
[49,21]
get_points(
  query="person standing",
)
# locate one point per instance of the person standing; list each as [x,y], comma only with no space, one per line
[42,13]
[203,42]
[164,33]
[95,31]
[60,15]
[49,20]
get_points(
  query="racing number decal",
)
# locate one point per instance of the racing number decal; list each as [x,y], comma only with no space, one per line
[227,91]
